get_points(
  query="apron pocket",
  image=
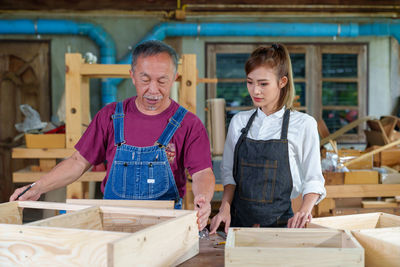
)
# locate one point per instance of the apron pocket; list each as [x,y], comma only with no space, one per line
[140,180]
[257,181]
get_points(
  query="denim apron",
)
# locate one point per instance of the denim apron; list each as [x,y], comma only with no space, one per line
[142,172]
[263,180]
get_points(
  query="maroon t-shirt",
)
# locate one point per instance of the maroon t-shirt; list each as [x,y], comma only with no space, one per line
[191,142]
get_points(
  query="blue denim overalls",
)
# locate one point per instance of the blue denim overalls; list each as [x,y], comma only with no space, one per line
[142,172]
[263,180]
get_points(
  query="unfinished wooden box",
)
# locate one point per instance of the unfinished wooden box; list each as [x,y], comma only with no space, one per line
[292,247]
[382,246]
[378,233]
[97,236]
[357,221]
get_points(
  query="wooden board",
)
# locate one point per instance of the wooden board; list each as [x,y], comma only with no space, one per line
[382,246]
[361,177]
[371,190]
[156,204]
[378,204]
[334,178]
[357,221]
[173,237]
[292,247]
[10,213]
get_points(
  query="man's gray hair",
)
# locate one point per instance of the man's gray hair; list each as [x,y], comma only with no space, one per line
[151,48]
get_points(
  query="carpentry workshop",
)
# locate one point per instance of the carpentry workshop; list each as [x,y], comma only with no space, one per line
[198,133]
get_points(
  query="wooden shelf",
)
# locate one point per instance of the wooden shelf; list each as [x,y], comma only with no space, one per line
[370,190]
[28,176]
[43,153]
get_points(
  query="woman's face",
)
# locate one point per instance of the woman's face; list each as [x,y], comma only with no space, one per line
[264,88]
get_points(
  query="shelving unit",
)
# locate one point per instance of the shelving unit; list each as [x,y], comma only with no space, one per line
[77,95]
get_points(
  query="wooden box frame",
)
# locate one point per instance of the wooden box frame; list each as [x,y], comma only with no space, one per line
[158,237]
[356,221]
[292,247]
[378,233]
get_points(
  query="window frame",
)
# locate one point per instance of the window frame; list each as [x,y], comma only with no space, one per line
[313,76]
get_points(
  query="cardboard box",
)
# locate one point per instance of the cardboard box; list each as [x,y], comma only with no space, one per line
[361,177]
[45,140]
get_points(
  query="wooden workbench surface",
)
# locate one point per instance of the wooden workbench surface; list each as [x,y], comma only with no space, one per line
[210,254]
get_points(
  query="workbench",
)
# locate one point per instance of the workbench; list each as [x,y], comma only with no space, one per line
[211,254]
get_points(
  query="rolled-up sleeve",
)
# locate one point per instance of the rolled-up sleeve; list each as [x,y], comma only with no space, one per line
[311,178]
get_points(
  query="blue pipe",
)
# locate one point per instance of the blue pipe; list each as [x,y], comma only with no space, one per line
[96,33]
[163,30]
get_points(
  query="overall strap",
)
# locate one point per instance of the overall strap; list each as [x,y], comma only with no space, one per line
[173,125]
[285,124]
[118,121]
[244,131]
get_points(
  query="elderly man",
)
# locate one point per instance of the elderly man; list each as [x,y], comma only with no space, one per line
[148,141]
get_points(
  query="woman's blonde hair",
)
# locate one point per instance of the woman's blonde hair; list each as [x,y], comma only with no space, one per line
[276,57]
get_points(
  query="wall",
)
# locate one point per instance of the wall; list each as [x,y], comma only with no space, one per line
[128,30]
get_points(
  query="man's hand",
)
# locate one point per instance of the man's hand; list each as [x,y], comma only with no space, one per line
[203,208]
[32,194]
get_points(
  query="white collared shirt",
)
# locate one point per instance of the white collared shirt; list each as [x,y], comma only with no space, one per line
[304,154]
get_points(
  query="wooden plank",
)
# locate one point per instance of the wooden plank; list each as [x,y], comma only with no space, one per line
[390,145]
[292,247]
[105,70]
[42,153]
[75,190]
[187,90]
[344,129]
[388,220]
[89,218]
[378,204]
[47,164]
[334,178]
[168,240]
[325,207]
[25,176]
[361,177]
[382,246]
[352,211]
[157,204]
[22,245]
[347,222]
[104,209]
[73,104]
[10,213]
[130,223]
[373,190]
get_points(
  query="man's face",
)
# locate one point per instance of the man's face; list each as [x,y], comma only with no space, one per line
[153,78]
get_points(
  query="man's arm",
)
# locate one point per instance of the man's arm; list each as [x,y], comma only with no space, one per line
[203,190]
[62,174]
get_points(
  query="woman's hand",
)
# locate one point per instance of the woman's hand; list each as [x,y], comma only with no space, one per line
[304,216]
[299,219]
[224,215]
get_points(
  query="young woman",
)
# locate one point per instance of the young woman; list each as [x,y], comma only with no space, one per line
[271,153]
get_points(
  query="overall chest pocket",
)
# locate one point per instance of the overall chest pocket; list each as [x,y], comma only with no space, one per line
[257,180]
[140,180]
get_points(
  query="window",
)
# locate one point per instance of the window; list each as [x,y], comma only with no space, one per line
[330,81]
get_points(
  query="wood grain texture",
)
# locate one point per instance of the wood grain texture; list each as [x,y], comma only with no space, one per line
[41,246]
[291,247]
[160,245]
[382,246]
[89,218]
[156,204]
[347,222]
[10,213]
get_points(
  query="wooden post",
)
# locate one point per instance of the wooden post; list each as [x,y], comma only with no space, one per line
[73,101]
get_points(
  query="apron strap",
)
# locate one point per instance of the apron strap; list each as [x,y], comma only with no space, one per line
[244,131]
[173,125]
[118,122]
[285,124]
